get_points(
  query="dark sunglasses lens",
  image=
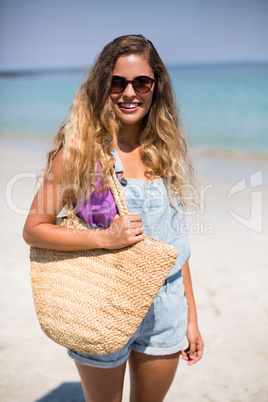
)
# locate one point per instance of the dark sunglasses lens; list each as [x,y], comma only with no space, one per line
[142,84]
[118,84]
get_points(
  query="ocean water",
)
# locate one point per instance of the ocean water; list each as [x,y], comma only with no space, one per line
[223,107]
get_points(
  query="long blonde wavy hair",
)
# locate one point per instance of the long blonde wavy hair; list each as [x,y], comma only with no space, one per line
[92,130]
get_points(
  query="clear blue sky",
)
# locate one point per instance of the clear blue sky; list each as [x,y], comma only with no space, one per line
[70,33]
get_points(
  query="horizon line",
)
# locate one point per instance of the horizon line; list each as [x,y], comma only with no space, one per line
[82,69]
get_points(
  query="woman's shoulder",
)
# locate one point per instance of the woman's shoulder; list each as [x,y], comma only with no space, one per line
[57,163]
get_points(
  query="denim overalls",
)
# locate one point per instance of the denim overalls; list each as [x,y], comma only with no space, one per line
[163,330]
[159,219]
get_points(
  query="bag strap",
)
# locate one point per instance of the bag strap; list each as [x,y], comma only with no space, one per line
[117,193]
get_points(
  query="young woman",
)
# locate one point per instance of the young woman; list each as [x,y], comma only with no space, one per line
[124,116]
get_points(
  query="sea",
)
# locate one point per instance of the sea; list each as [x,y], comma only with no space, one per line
[223,107]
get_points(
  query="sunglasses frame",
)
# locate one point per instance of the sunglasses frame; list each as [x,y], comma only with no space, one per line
[126,82]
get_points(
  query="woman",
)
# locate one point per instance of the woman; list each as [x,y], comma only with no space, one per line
[124,116]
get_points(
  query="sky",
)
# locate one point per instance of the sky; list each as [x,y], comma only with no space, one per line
[70,33]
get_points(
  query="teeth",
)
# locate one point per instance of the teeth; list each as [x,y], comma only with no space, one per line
[129,105]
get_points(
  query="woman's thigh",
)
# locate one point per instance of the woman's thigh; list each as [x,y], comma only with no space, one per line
[100,384]
[151,376]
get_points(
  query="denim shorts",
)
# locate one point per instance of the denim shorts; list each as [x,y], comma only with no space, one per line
[162,331]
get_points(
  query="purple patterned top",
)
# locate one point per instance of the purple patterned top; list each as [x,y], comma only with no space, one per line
[98,210]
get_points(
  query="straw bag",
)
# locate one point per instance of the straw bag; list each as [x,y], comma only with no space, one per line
[93,301]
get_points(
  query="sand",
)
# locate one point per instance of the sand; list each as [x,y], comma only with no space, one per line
[229,266]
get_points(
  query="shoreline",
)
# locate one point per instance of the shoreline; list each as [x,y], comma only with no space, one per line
[234,154]
[45,141]
[209,166]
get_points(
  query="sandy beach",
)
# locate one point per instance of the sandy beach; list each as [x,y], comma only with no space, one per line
[229,265]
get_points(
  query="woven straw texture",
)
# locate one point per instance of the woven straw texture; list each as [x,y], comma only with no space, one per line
[93,301]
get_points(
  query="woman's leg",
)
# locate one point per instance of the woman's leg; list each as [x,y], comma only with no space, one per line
[151,376]
[100,384]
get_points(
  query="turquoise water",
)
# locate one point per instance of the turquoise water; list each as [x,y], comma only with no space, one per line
[223,108]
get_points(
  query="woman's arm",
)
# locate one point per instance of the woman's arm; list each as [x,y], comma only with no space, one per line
[40,229]
[195,350]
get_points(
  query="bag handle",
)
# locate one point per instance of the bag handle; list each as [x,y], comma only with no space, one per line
[117,193]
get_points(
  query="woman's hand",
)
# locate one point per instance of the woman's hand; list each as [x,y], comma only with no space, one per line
[123,231]
[195,350]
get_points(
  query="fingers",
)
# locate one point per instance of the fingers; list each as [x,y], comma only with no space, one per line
[130,217]
[188,356]
[134,220]
[136,230]
[193,353]
[184,354]
[128,224]
[125,230]
[136,239]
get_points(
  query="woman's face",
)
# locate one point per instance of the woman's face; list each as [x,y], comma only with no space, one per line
[132,106]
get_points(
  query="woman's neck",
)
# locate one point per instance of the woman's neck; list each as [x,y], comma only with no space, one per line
[128,137]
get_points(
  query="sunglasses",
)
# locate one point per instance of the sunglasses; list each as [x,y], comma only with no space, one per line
[140,84]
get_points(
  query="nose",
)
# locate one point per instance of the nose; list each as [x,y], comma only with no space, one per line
[129,90]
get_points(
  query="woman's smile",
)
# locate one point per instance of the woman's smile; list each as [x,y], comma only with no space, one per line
[129,107]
